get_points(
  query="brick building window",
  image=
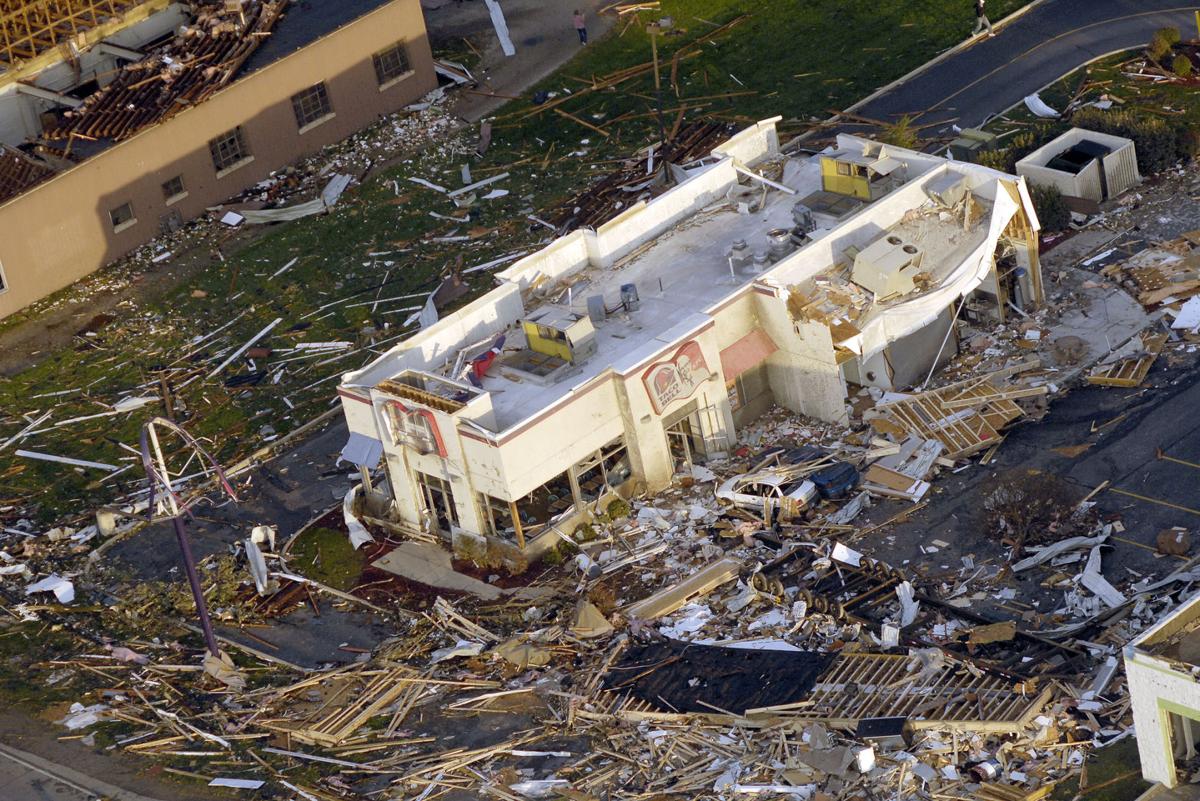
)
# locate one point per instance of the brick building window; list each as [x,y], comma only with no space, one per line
[311,105]
[390,64]
[122,217]
[173,188]
[228,149]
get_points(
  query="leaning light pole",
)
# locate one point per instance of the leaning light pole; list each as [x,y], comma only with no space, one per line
[164,499]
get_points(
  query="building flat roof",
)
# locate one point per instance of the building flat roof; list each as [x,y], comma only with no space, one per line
[304,23]
[681,274]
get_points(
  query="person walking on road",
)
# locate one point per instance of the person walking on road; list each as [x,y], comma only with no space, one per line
[580,26]
[982,23]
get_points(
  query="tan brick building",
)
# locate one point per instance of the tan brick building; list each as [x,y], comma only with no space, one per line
[324,71]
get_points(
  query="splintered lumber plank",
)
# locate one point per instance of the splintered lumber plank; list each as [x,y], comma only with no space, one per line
[704,581]
[584,123]
[999,395]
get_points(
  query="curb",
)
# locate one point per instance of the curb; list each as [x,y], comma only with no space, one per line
[77,781]
[945,54]
[939,58]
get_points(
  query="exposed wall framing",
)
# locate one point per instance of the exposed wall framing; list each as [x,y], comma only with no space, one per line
[29,28]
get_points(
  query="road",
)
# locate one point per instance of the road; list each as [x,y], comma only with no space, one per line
[969,85]
[27,777]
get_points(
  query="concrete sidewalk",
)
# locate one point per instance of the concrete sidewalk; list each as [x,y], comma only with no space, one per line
[977,82]
[541,32]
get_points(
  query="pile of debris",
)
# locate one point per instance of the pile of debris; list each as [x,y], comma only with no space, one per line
[639,178]
[201,59]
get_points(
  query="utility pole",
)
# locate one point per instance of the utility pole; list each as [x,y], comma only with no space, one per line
[162,494]
[653,31]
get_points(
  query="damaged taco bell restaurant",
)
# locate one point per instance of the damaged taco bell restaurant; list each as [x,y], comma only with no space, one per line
[613,359]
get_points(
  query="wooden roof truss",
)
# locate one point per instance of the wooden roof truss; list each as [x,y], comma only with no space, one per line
[29,28]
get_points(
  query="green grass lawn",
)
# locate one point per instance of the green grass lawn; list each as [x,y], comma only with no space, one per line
[798,60]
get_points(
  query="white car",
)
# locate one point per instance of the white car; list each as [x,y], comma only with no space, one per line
[750,490]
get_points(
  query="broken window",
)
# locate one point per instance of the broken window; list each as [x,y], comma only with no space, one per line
[843,168]
[497,517]
[438,500]
[173,188]
[228,149]
[390,64]
[311,105]
[412,427]
[607,467]
[537,509]
[121,215]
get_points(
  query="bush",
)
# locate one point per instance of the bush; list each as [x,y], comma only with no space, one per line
[1031,507]
[1159,144]
[1160,45]
[1051,208]
[901,134]
[1169,35]
[618,508]
[1018,147]
[1157,50]
[1182,66]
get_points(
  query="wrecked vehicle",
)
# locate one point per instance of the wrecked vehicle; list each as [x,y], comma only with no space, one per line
[756,491]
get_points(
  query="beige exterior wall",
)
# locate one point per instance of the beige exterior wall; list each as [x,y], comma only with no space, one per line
[60,231]
[1158,688]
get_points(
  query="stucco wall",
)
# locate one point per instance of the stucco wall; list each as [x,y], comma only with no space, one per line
[1155,691]
[64,228]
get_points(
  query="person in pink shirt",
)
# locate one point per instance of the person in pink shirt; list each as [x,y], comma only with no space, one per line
[580,26]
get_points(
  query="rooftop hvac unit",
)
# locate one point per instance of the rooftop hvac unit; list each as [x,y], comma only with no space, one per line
[780,243]
[739,255]
[887,266]
[970,143]
[596,310]
[629,297]
[948,189]
[803,218]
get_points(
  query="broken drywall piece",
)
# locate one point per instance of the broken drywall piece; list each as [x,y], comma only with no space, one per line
[359,535]
[460,648]
[63,589]
[81,717]
[237,784]
[257,564]
[589,621]
[846,555]
[908,605]
[129,404]
[1188,318]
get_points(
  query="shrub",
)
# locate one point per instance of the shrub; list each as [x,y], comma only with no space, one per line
[1028,507]
[1169,35]
[1051,208]
[1018,147]
[1159,144]
[901,134]
[618,508]
[1157,50]
[1182,66]
[1162,42]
